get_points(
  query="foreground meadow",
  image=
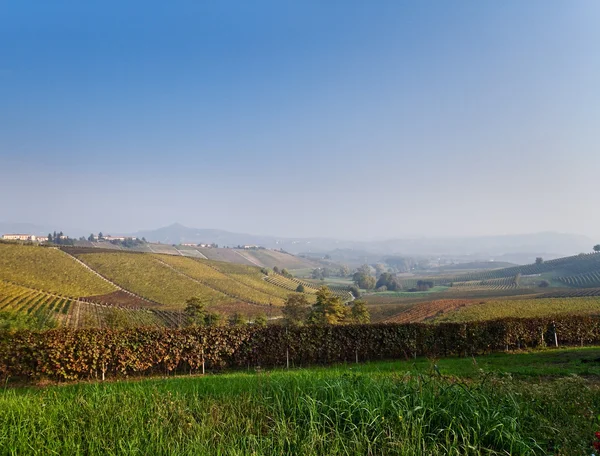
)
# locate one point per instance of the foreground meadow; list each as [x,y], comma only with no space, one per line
[531,403]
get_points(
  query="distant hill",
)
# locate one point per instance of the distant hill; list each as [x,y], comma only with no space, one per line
[477,265]
[512,248]
[480,247]
[580,271]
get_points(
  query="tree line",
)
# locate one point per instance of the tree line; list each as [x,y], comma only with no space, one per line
[297,311]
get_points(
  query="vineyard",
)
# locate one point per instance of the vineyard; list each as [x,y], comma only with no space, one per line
[571,293]
[506,283]
[522,308]
[567,266]
[90,287]
[583,280]
[254,278]
[51,310]
[292,283]
[205,273]
[427,310]
[50,270]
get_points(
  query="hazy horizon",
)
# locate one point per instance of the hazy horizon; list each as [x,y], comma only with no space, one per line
[346,120]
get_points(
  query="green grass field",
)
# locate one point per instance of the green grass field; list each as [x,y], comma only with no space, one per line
[50,270]
[518,404]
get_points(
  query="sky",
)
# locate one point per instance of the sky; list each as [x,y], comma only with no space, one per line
[347,119]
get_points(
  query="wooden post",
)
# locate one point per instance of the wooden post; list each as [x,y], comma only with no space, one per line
[555,335]
[203,357]
[357,356]
[287,349]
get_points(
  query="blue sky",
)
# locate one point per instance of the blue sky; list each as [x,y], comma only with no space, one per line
[338,118]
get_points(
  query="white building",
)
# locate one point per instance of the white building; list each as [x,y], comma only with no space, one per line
[20,237]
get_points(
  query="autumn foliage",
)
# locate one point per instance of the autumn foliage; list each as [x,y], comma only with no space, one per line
[65,354]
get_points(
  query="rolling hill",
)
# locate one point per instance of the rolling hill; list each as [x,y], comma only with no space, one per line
[90,286]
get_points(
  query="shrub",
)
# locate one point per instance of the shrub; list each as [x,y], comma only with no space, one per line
[96,353]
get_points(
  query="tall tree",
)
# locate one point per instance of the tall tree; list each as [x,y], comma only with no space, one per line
[295,310]
[344,271]
[360,313]
[328,309]
[597,248]
[195,310]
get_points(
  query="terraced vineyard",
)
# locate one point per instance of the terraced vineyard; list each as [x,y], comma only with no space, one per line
[573,265]
[506,283]
[215,279]
[585,280]
[59,310]
[252,277]
[50,270]
[427,310]
[93,287]
[291,283]
[144,275]
[571,293]
[523,308]
[463,310]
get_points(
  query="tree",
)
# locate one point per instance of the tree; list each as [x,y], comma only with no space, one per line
[300,288]
[50,238]
[317,274]
[364,269]
[360,313]
[389,281]
[328,309]
[597,248]
[355,291]
[424,285]
[214,319]
[261,320]
[275,269]
[195,310]
[364,281]
[544,284]
[539,260]
[100,235]
[295,310]
[379,269]
[91,237]
[237,319]
[286,273]
[344,271]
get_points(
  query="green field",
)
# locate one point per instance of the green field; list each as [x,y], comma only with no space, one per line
[50,270]
[410,294]
[518,404]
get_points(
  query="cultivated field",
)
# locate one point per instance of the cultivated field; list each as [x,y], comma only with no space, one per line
[462,310]
[49,270]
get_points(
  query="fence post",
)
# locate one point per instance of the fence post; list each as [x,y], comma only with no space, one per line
[203,341]
[555,334]
[287,349]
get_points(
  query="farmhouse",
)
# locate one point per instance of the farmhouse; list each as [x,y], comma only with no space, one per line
[21,237]
[117,238]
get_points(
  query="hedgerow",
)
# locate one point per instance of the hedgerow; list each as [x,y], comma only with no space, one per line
[66,354]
